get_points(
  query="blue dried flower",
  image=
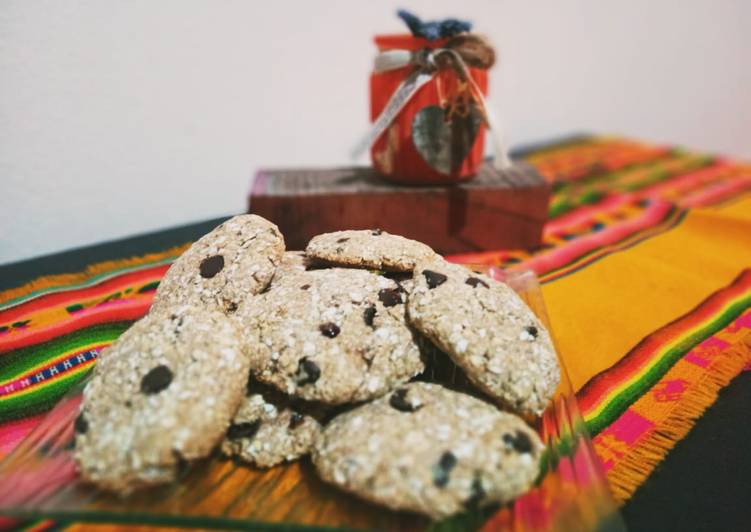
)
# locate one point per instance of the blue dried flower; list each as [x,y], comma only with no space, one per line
[433,30]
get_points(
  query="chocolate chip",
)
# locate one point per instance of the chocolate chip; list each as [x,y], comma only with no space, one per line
[243,430]
[80,425]
[296,420]
[368,315]
[448,460]
[210,266]
[398,400]
[305,287]
[397,277]
[442,469]
[376,232]
[231,307]
[179,324]
[390,296]
[434,279]
[532,331]
[519,441]
[156,380]
[474,281]
[476,493]
[330,330]
[307,372]
[342,240]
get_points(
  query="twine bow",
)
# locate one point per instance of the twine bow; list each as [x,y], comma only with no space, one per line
[459,53]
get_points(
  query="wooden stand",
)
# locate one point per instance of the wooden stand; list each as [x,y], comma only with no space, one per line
[496,210]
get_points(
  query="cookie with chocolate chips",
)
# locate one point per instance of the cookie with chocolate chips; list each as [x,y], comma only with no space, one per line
[163,393]
[271,428]
[235,260]
[488,331]
[371,248]
[427,449]
[333,335]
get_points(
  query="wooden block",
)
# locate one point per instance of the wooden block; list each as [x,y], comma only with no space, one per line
[496,210]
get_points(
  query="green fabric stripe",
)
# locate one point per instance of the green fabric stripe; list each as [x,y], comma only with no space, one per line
[603,177]
[17,362]
[627,397]
[87,283]
[37,401]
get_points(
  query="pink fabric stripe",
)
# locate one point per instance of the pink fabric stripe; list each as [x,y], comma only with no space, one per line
[703,353]
[614,442]
[715,193]
[586,213]
[686,181]
[13,432]
[565,254]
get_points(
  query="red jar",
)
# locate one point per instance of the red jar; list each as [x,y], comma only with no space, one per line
[438,137]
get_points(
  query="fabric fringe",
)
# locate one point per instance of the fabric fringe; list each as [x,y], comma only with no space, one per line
[61,280]
[628,474]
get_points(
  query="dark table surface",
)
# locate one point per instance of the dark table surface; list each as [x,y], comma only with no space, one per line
[703,484]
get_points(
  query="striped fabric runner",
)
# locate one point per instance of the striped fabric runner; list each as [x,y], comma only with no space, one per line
[625,216]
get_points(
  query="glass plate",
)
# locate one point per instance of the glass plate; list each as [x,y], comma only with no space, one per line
[38,479]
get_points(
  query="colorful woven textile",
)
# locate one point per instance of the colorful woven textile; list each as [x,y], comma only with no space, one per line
[646,271]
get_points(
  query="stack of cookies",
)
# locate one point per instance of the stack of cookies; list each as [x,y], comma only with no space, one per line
[271,355]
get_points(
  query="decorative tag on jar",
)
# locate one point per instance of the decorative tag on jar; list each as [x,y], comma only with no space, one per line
[428,104]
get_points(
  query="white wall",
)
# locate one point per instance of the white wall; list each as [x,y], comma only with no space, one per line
[119,117]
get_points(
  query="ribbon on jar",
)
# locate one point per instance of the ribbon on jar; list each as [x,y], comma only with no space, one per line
[459,53]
